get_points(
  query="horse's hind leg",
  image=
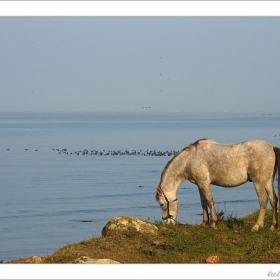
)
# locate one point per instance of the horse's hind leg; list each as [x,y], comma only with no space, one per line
[273,202]
[204,209]
[260,190]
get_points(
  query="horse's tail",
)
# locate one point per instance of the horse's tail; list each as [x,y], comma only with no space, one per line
[277,165]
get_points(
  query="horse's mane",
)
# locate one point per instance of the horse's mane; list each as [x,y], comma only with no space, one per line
[157,195]
[195,144]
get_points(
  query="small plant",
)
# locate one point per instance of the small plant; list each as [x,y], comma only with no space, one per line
[127,234]
[233,220]
[221,215]
[158,223]
[147,252]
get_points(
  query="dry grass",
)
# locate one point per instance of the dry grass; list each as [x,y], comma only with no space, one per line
[233,242]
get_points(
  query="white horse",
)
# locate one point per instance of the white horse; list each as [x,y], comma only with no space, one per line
[207,162]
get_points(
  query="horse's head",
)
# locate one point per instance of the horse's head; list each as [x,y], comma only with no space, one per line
[169,207]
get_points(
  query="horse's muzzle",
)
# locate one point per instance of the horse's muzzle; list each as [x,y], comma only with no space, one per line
[169,220]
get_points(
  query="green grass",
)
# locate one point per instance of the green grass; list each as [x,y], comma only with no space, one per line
[232,242]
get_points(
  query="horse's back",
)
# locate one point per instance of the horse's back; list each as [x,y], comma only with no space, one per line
[234,164]
[256,149]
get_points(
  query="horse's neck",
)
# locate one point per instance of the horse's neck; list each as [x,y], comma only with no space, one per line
[174,174]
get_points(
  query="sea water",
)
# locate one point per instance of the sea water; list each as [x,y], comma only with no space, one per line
[55,191]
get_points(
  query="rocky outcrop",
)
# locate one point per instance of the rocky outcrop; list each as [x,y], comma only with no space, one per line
[33,259]
[124,223]
[36,259]
[87,260]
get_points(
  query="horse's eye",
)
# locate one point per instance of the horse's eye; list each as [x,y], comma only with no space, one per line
[161,205]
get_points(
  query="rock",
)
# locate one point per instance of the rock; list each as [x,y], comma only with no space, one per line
[36,259]
[212,259]
[85,259]
[124,223]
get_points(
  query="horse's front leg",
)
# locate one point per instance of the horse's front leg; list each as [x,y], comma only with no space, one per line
[205,220]
[205,190]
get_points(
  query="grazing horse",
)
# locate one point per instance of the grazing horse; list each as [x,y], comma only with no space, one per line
[207,162]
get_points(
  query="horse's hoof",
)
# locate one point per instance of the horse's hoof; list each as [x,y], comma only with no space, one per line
[204,224]
[272,228]
[214,227]
[255,228]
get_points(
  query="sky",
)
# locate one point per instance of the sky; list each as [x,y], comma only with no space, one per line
[121,63]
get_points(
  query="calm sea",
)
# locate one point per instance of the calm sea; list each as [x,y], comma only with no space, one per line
[58,186]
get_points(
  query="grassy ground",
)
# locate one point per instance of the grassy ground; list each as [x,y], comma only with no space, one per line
[233,242]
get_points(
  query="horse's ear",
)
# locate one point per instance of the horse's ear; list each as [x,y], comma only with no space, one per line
[159,191]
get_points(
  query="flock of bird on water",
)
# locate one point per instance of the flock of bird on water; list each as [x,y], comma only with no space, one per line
[114,153]
[118,153]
